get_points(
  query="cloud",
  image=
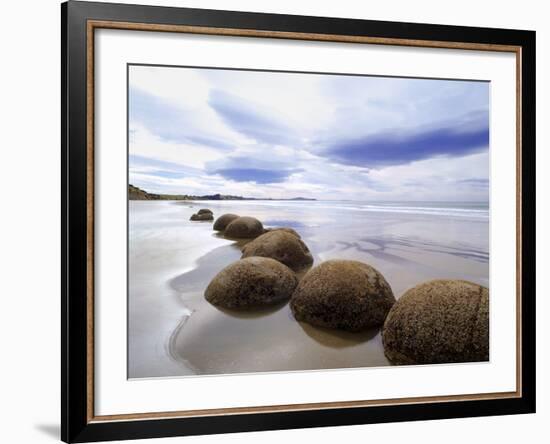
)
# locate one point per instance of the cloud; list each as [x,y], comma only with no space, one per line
[137,161]
[261,176]
[254,168]
[170,122]
[436,179]
[144,144]
[475,182]
[271,134]
[249,118]
[394,148]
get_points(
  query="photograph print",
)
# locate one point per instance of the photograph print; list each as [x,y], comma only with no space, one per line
[296,221]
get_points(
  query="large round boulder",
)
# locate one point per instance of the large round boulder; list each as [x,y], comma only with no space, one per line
[285,229]
[440,321]
[223,221]
[203,216]
[244,228]
[250,283]
[342,294]
[282,246]
[204,211]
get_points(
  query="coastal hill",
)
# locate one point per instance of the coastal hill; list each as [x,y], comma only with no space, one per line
[135,193]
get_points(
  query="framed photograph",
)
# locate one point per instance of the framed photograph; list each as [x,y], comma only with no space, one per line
[275,221]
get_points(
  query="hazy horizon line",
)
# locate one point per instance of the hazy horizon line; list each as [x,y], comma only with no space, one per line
[298,197]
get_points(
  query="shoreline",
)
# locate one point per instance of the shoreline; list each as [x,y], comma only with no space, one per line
[209,341]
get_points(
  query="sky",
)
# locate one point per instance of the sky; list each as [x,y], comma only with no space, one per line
[329,137]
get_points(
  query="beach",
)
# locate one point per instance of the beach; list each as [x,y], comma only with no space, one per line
[173,331]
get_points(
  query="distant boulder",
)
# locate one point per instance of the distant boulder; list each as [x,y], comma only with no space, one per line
[251,283]
[282,246]
[223,221]
[204,211]
[202,217]
[244,228]
[440,321]
[342,294]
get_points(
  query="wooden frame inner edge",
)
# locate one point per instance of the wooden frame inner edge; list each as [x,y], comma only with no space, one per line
[90,28]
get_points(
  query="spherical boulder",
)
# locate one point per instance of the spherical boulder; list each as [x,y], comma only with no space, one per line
[223,221]
[285,229]
[282,246]
[204,211]
[342,294]
[251,283]
[440,321]
[244,228]
[203,216]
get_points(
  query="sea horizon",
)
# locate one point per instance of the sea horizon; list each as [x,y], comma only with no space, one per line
[472,209]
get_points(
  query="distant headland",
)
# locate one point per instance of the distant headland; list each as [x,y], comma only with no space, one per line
[135,193]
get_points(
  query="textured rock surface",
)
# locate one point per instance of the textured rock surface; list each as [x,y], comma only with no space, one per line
[342,294]
[439,321]
[244,228]
[285,229]
[204,211]
[251,282]
[223,221]
[282,246]
[203,216]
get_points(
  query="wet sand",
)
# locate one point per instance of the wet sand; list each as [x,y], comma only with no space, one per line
[174,331]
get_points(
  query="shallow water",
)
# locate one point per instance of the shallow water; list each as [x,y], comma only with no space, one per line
[173,331]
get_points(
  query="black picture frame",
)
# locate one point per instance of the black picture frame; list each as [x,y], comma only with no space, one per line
[76,423]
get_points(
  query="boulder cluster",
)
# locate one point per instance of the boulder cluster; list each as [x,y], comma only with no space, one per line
[265,274]
[440,321]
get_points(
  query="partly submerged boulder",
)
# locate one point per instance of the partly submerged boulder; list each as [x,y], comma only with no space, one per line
[440,321]
[244,228]
[343,294]
[251,282]
[223,221]
[282,246]
[204,211]
[203,216]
